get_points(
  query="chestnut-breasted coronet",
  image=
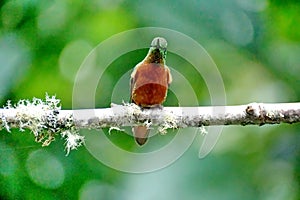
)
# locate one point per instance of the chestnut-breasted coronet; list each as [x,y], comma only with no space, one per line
[149,83]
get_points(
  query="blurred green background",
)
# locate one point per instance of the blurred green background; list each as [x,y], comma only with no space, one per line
[256,46]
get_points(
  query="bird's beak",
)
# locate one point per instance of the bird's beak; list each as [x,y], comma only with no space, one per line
[155,43]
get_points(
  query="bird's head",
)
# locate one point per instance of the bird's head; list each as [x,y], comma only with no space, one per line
[158,51]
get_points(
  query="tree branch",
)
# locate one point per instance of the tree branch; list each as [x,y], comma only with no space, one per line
[46,119]
[181,117]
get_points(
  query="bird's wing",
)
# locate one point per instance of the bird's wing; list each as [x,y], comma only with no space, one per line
[131,87]
[169,77]
[132,81]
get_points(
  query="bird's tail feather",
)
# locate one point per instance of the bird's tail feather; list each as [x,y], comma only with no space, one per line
[140,134]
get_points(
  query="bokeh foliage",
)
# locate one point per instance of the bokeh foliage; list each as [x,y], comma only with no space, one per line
[255,44]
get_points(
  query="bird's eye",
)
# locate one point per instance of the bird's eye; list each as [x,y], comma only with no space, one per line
[159,42]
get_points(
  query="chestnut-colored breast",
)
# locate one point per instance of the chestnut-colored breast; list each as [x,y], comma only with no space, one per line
[149,84]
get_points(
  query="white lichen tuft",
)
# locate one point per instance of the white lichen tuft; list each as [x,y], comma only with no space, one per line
[148,124]
[133,109]
[41,118]
[73,140]
[202,130]
[115,128]
[170,122]
[52,102]
[4,123]
[270,115]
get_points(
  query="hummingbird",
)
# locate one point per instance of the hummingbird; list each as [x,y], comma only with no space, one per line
[149,83]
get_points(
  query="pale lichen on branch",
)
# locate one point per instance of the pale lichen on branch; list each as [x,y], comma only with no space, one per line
[46,120]
[42,118]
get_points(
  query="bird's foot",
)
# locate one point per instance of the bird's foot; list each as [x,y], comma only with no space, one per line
[159,106]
